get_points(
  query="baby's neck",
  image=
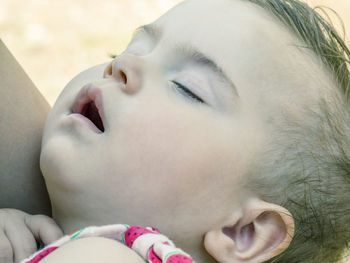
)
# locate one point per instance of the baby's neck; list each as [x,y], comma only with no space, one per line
[73,210]
[70,223]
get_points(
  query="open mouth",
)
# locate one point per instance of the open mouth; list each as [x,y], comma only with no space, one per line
[89,104]
[90,111]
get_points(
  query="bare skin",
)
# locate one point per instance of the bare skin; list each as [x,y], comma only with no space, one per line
[93,249]
[190,161]
[163,153]
[23,114]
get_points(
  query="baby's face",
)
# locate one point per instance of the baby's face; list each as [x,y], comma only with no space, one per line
[184,111]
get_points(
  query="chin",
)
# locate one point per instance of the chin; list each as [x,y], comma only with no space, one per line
[54,162]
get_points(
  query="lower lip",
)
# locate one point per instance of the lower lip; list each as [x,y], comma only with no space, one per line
[82,119]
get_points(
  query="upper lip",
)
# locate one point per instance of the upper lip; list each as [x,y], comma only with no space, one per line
[87,95]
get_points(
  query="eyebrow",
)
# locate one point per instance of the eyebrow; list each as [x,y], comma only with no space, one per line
[188,51]
[200,58]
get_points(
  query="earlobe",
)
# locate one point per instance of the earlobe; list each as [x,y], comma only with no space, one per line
[219,246]
[257,232]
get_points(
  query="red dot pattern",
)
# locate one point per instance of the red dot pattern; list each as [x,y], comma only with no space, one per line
[152,257]
[42,254]
[178,258]
[135,231]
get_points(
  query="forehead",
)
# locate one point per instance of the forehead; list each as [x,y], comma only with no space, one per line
[246,41]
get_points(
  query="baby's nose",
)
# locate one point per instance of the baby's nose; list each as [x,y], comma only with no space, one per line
[127,71]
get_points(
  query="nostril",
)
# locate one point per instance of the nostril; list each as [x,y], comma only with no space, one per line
[108,71]
[123,77]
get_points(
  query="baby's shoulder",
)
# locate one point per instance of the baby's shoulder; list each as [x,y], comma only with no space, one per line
[93,249]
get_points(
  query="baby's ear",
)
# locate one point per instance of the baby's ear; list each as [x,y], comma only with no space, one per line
[254,233]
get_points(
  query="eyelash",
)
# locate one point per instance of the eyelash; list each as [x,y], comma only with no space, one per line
[186,92]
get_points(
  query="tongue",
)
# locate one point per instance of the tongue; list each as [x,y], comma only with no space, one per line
[91,112]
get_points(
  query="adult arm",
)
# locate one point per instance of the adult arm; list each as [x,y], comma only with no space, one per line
[23,113]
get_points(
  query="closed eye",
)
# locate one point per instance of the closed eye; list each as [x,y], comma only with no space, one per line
[186,92]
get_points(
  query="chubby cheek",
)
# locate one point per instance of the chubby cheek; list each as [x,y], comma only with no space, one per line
[174,152]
